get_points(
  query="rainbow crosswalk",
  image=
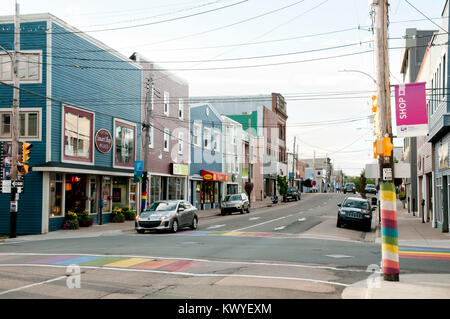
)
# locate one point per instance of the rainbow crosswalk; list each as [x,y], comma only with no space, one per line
[118,262]
[424,253]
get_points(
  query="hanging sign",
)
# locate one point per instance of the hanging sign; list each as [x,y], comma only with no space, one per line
[138,171]
[411,110]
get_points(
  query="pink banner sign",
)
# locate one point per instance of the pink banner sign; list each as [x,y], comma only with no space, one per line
[411,109]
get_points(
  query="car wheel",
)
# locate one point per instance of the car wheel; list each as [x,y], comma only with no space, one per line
[174,226]
[140,231]
[223,213]
[248,209]
[338,223]
[242,210]
[194,223]
[368,228]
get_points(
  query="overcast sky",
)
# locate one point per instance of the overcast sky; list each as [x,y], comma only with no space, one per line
[232,30]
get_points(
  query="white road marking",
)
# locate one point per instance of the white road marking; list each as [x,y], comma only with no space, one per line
[339,256]
[302,219]
[190,274]
[269,221]
[254,218]
[33,285]
[216,226]
[280,228]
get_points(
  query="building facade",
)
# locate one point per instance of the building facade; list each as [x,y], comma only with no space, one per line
[82,112]
[166,97]
[233,156]
[205,175]
[268,116]
[415,44]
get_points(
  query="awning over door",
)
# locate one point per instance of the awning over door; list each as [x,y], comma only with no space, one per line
[213,176]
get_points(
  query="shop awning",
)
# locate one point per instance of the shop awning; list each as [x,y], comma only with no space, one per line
[213,176]
[81,169]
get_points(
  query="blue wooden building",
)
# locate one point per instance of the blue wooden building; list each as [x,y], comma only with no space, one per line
[206,174]
[80,107]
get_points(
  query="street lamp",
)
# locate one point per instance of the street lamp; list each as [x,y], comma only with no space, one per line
[357,71]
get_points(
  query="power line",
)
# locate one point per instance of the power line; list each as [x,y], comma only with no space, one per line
[425,16]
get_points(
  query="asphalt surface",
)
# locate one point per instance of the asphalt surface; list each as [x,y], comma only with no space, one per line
[289,251]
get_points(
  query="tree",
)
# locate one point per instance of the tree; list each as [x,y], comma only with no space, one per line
[362,184]
[282,185]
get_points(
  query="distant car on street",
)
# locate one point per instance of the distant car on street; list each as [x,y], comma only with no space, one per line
[292,194]
[355,210]
[170,215]
[350,188]
[371,189]
[235,203]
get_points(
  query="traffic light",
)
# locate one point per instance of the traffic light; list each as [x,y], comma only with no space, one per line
[25,157]
[374,103]
[387,146]
[377,148]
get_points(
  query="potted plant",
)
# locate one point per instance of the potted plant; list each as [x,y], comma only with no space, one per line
[128,213]
[70,221]
[117,215]
[85,220]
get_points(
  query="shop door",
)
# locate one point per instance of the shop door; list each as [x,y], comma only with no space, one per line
[445,202]
[93,195]
[76,193]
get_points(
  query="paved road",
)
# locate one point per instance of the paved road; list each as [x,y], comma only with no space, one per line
[293,251]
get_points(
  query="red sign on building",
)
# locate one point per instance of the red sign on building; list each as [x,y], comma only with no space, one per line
[103,140]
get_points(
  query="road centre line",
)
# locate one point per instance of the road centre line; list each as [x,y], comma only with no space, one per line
[169,273]
[32,285]
[266,222]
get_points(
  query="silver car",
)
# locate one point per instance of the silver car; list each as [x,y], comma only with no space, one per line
[235,203]
[168,215]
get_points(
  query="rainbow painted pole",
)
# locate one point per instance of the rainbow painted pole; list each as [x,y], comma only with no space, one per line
[389,232]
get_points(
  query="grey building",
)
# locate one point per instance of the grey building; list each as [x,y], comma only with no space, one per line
[415,46]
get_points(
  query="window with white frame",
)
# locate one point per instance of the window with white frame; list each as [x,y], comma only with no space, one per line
[216,140]
[207,138]
[166,103]
[180,109]
[180,143]
[166,139]
[196,134]
[234,137]
[28,124]
[29,67]
[236,164]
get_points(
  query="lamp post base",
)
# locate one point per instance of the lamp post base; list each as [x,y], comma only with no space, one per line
[391,277]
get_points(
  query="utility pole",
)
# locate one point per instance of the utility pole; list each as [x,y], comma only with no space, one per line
[148,114]
[293,163]
[390,257]
[15,124]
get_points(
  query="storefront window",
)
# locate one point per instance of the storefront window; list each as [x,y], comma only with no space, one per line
[155,189]
[176,188]
[120,192]
[56,192]
[132,195]
[124,144]
[198,191]
[106,193]
[93,195]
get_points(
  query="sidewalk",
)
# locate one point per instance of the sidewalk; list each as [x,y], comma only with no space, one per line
[412,233]
[110,229]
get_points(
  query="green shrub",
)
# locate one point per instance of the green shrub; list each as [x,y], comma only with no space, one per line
[117,215]
[85,220]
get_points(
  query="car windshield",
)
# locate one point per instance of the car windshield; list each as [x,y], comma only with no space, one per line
[355,204]
[230,198]
[370,186]
[292,189]
[350,184]
[162,206]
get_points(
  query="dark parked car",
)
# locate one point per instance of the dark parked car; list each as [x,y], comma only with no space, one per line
[350,187]
[355,210]
[292,194]
[167,215]
[371,189]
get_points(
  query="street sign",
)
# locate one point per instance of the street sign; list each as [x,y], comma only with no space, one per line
[387,174]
